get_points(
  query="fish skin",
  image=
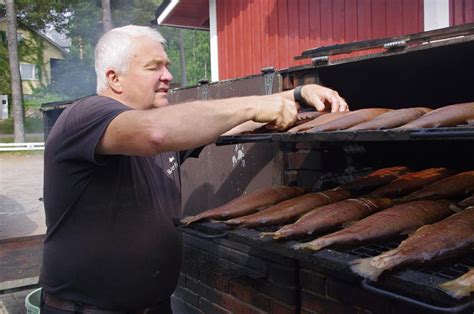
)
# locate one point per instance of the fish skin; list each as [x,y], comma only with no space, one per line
[460,287]
[411,182]
[317,121]
[393,221]
[289,210]
[445,116]
[456,185]
[305,116]
[391,119]
[330,216]
[447,237]
[374,179]
[301,118]
[248,203]
[350,119]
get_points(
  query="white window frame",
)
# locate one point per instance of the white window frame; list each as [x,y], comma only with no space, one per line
[436,14]
[213,40]
[30,74]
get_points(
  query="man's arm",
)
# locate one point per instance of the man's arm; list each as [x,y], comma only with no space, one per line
[189,125]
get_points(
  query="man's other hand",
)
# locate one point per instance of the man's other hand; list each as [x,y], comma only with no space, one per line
[323,98]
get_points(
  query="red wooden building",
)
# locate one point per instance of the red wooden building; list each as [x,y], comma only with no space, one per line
[247,35]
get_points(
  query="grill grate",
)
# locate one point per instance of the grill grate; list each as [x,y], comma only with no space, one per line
[450,271]
[447,270]
[370,250]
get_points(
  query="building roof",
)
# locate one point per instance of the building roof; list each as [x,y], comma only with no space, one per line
[184,13]
[52,42]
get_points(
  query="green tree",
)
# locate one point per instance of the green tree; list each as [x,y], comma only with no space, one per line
[197,56]
[35,14]
[14,63]
[82,21]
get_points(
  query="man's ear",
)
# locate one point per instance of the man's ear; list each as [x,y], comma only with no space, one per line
[113,79]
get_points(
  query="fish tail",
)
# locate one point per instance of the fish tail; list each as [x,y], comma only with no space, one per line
[279,234]
[364,268]
[314,245]
[235,221]
[456,288]
[301,246]
[319,244]
[269,234]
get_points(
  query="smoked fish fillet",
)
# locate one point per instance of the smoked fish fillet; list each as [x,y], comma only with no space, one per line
[317,121]
[457,185]
[391,119]
[460,287]
[330,216]
[411,182]
[445,238]
[289,210]
[374,179]
[350,119]
[390,222]
[248,203]
[445,116]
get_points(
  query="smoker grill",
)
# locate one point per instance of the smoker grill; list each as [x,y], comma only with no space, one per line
[415,285]
[405,72]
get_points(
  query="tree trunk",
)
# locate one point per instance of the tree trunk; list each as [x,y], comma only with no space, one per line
[182,58]
[17,92]
[106,16]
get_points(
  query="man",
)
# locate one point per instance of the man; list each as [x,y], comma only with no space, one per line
[109,191]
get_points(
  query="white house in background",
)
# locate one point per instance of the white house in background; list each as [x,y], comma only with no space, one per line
[52,54]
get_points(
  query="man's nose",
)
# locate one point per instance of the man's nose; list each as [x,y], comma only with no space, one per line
[166,76]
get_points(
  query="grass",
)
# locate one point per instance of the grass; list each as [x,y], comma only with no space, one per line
[21,153]
[33,130]
[32,125]
[29,138]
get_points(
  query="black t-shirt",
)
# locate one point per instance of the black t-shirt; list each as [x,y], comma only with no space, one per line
[110,240]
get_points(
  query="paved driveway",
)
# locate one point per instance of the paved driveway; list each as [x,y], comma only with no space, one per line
[21,188]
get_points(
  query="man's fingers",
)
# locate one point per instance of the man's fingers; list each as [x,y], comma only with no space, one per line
[318,103]
[343,105]
[334,100]
[323,98]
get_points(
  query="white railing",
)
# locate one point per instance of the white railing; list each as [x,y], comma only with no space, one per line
[4,147]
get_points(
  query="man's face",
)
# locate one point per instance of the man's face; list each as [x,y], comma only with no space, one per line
[146,83]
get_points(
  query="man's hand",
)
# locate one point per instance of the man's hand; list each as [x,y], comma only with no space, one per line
[279,110]
[323,98]
[276,110]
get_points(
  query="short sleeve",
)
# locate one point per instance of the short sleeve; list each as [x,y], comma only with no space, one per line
[81,126]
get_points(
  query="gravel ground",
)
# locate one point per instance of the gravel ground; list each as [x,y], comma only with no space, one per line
[21,191]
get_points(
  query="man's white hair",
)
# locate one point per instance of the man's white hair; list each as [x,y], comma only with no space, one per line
[115,48]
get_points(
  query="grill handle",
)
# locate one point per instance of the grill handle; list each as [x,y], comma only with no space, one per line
[454,309]
[200,234]
[426,134]
[237,139]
